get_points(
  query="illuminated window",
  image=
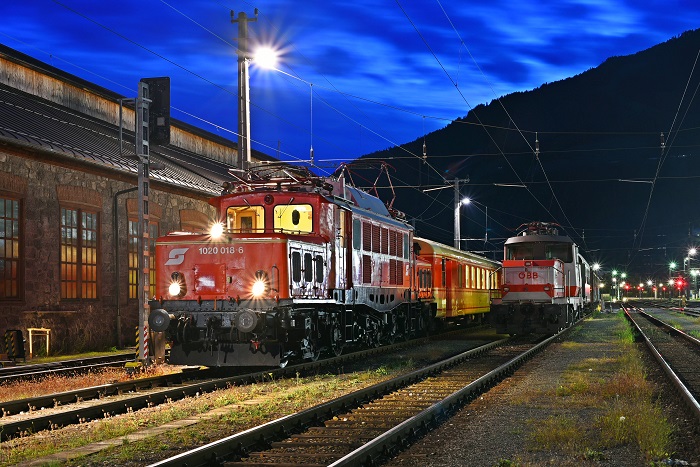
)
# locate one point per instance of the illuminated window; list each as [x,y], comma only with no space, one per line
[79,253]
[10,236]
[245,219]
[293,218]
[133,253]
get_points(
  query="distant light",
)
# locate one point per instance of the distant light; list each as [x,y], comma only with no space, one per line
[266,57]
[465,201]
[692,252]
[596,266]
[672,265]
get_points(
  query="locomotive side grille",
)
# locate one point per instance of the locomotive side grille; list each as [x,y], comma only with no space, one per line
[393,242]
[366,269]
[375,238]
[385,240]
[366,236]
[395,272]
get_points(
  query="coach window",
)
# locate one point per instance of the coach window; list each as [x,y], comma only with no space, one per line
[133,254]
[293,218]
[245,219]
[444,272]
[10,238]
[80,239]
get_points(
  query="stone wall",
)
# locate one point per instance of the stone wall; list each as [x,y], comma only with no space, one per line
[76,324]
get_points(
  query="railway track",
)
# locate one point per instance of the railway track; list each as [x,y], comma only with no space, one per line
[32,415]
[677,352]
[370,424]
[82,365]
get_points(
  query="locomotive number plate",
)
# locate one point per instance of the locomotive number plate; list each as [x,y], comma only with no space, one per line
[224,250]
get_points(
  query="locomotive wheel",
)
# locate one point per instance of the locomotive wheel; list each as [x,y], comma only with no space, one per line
[403,324]
[392,331]
[336,340]
[313,348]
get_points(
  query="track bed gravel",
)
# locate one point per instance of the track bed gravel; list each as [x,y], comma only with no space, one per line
[497,428]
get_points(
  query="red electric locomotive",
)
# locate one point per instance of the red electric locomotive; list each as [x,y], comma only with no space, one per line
[298,265]
[547,284]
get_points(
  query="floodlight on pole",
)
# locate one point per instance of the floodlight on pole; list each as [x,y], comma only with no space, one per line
[267,58]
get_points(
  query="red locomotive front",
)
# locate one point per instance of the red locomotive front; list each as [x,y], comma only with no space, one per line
[295,266]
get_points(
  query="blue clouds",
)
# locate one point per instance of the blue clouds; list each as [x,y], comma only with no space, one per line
[393,55]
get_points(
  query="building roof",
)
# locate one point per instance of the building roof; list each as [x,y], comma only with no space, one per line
[30,121]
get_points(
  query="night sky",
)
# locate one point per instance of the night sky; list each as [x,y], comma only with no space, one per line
[369,74]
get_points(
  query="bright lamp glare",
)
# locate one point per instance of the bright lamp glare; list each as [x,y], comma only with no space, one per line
[265,57]
[174,288]
[258,288]
[217,230]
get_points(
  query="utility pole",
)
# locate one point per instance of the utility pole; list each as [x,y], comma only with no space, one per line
[243,160]
[143,153]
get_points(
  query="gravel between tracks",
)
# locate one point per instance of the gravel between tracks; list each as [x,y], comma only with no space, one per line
[495,429]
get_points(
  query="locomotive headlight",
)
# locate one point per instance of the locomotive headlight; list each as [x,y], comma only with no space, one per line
[261,284]
[177,286]
[258,288]
[216,230]
[174,288]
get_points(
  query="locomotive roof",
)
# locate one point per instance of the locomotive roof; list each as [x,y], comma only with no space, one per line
[368,206]
[539,238]
[430,247]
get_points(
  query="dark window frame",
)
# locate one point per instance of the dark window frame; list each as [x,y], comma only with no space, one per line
[12,277]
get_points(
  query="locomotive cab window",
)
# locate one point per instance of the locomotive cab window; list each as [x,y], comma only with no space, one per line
[560,251]
[245,219]
[293,218]
[520,252]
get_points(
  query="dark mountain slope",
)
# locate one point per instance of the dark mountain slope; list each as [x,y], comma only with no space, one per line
[594,129]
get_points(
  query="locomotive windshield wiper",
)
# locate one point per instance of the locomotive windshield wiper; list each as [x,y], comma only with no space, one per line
[285,208]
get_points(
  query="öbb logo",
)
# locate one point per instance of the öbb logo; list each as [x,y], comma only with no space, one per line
[528,275]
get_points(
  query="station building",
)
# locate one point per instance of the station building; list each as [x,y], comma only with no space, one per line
[68,203]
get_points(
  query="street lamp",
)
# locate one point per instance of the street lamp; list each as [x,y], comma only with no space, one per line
[466,201]
[267,58]
[695,273]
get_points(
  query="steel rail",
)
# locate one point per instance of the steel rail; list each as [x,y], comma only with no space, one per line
[11,429]
[240,443]
[395,438]
[683,391]
[36,370]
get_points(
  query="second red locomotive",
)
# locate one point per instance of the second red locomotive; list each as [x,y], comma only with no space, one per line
[547,284]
